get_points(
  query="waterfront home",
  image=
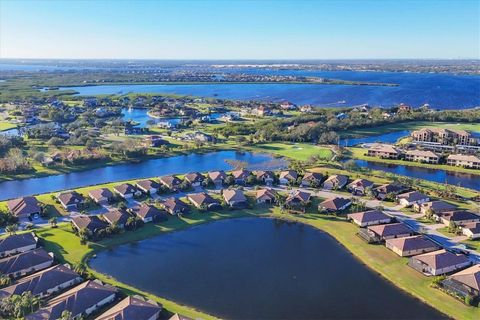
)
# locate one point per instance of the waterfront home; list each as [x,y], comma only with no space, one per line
[101,196]
[334,204]
[132,308]
[175,206]
[334,182]
[385,151]
[384,190]
[359,186]
[194,178]
[471,230]
[265,195]
[267,177]
[26,262]
[91,223]
[82,300]
[235,198]
[410,198]
[312,179]
[464,283]
[126,191]
[148,186]
[466,161]
[369,218]
[171,182]
[154,141]
[25,207]
[17,243]
[217,177]
[288,177]
[422,156]
[203,201]
[148,213]
[458,217]
[177,316]
[240,176]
[439,262]
[390,231]
[410,246]
[297,200]
[444,136]
[43,283]
[70,200]
[435,207]
[116,216]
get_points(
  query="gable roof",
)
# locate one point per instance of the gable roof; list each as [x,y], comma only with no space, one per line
[215,175]
[240,174]
[40,282]
[469,277]
[441,259]
[76,300]
[289,175]
[92,223]
[265,192]
[148,184]
[170,181]
[100,193]
[312,176]
[146,211]
[175,204]
[264,174]
[201,199]
[23,206]
[17,241]
[298,195]
[193,177]
[125,188]
[338,179]
[25,260]
[390,187]
[131,308]
[361,183]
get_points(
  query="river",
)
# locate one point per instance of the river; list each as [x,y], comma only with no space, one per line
[293,271]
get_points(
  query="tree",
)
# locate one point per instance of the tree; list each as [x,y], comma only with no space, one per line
[53,222]
[12,228]
[66,315]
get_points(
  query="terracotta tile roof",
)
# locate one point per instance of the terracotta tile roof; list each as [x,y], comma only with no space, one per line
[240,174]
[421,153]
[70,197]
[174,204]
[234,195]
[265,192]
[201,199]
[215,175]
[170,181]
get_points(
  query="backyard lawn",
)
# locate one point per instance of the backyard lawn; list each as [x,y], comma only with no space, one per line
[297,151]
[6,125]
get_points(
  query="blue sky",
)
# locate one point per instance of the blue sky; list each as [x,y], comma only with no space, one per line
[240,29]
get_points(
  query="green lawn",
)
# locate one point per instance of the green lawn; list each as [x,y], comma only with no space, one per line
[413,125]
[6,125]
[298,151]
[359,153]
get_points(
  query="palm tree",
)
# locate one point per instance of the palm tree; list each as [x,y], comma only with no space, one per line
[53,222]
[132,223]
[12,228]
[66,315]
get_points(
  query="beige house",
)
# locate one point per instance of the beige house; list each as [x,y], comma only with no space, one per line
[471,230]
[337,181]
[422,156]
[439,262]
[462,160]
[410,246]
[369,218]
[386,151]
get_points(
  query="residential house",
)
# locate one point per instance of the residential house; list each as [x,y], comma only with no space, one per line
[132,308]
[410,246]
[148,213]
[17,243]
[265,195]
[334,204]
[126,191]
[91,223]
[235,198]
[439,262]
[410,198]
[70,200]
[203,201]
[437,206]
[390,231]
[82,300]
[312,179]
[462,160]
[465,282]
[171,182]
[217,177]
[337,181]
[422,156]
[116,216]
[385,151]
[175,206]
[177,316]
[148,186]
[25,207]
[458,217]
[288,177]
[240,176]
[297,200]
[471,230]
[384,190]
[267,177]
[154,141]
[369,218]
[444,136]
[101,196]
[359,186]
[26,262]
[194,178]
[43,283]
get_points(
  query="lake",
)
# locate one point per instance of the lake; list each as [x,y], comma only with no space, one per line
[466,180]
[145,169]
[141,116]
[391,137]
[258,268]
[441,91]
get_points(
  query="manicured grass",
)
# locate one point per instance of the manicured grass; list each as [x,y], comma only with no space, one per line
[6,125]
[359,153]
[447,233]
[297,151]
[412,125]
